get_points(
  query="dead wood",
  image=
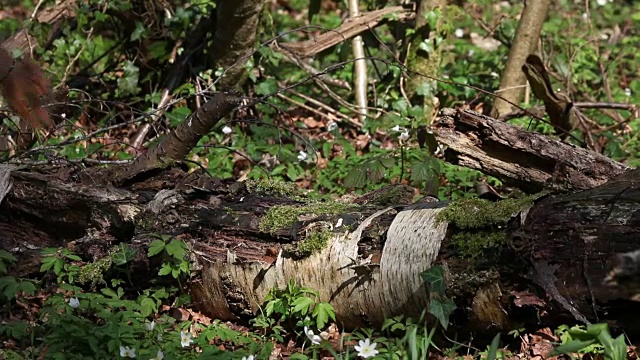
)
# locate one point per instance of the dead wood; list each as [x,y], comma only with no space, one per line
[368,268]
[530,161]
[350,28]
[176,145]
[53,16]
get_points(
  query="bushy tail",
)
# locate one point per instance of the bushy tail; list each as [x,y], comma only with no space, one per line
[25,89]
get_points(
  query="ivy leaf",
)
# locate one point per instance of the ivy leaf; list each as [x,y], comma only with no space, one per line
[123,255]
[128,82]
[442,310]
[178,115]
[434,279]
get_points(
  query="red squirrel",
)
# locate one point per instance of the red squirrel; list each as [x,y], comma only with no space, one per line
[25,89]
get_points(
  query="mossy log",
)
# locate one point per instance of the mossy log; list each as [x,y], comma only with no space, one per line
[499,257]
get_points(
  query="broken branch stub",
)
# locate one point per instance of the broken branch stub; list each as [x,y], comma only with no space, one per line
[176,145]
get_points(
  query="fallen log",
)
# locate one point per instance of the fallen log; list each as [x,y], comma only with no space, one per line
[528,160]
[505,262]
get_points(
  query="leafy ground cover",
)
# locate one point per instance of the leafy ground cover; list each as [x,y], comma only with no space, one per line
[78,309]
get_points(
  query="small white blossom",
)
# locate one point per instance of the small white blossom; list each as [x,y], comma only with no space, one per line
[250,357]
[159,355]
[74,302]
[185,338]
[459,33]
[396,128]
[332,125]
[126,351]
[302,156]
[339,223]
[601,2]
[366,348]
[471,53]
[315,339]
[150,325]
[404,135]
[494,74]
[227,130]
[627,91]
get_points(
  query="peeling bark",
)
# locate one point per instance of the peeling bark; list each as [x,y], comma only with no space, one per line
[525,159]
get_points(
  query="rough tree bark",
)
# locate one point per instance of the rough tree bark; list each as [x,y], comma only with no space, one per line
[368,268]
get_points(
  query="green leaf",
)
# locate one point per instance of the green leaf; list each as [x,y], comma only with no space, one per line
[57,266]
[267,87]
[184,266]
[178,115]
[302,304]
[434,279]
[110,293]
[322,313]
[138,32]
[149,306]
[177,249]
[401,106]
[73,257]
[27,287]
[572,347]
[124,255]
[493,349]
[128,82]
[387,161]
[420,171]
[7,256]
[165,269]
[442,310]
[356,178]
[618,349]
[377,170]
[160,294]
[155,247]
[8,287]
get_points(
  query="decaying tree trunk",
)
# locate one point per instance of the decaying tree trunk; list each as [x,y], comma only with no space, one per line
[534,260]
[524,159]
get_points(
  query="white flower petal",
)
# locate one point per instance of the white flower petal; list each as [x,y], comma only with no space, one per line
[74,302]
[150,325]
[366,348]
[185,338]
[315,339]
